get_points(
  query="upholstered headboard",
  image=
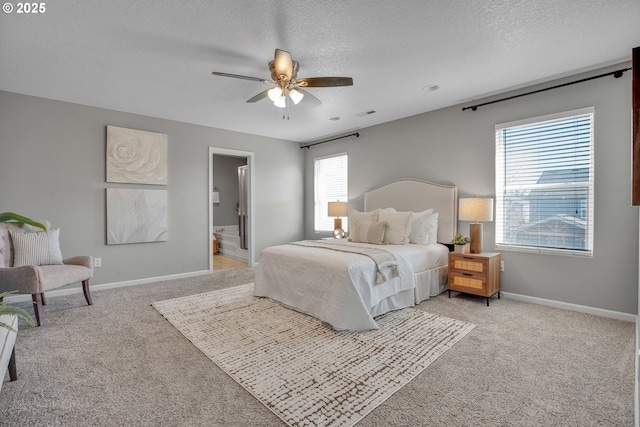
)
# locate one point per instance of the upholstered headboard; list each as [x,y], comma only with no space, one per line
[415,195]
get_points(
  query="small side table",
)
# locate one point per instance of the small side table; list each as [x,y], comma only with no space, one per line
[476,274]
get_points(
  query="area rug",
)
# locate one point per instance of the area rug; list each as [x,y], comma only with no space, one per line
[301,369]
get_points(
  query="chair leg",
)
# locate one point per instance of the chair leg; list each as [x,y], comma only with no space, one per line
[85,289]
[13,372]
[37,307]
[44,301]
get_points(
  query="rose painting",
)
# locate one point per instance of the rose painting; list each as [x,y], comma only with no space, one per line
[135,216]
[135,156]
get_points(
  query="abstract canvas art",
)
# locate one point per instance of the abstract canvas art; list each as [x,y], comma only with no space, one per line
[135,216]
[136,156]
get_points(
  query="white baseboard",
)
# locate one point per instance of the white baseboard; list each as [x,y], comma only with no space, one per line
[103,286]
[525,298]
[573,307]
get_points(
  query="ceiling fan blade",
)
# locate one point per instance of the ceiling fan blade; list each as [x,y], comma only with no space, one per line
[238,76]
[308,95]
[324,82]
[282,65]
[259,96]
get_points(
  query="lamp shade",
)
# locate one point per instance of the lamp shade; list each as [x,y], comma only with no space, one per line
[338,209]
[475,209]
[296,96]
[274,93]
[280,102]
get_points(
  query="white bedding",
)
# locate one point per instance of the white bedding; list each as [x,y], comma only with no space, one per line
[340,288]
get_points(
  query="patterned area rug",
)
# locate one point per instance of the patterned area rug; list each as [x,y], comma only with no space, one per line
[301,369]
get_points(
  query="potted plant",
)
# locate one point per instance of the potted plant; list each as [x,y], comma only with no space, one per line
[10,310]
[460,242]
[10,216]
[5,308]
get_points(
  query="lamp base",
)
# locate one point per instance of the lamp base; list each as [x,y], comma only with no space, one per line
[475,230]
[338,232]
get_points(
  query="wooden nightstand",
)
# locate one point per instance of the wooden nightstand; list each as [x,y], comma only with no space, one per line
[477,274]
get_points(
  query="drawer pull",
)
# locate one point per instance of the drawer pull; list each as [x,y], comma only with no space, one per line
[467,274]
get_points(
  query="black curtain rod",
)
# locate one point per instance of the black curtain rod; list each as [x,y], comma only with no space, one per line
[357,135]
[617,74]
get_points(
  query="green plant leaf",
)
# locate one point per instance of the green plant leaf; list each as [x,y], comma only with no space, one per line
[11,216]
[6,308]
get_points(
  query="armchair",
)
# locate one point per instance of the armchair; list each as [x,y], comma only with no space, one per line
[36,279]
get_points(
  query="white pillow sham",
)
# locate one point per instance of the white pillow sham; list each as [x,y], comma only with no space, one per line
[420,227]
[432,233]
[355,216]
[399,226]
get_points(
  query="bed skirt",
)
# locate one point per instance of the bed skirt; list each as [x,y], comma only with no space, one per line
[429,283]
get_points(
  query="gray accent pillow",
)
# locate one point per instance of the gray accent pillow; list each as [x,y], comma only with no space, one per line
[368,232]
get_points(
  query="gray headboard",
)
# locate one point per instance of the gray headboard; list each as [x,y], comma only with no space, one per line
[415,195]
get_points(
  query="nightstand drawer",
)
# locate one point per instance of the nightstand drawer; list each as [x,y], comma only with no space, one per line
[469,264]
[466,282]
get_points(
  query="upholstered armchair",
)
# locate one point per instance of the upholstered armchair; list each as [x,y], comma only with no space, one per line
[31,263]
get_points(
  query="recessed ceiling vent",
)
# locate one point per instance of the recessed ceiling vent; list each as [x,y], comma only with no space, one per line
[366,113]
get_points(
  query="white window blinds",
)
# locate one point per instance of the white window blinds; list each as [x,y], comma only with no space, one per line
[330,180]
[544,184]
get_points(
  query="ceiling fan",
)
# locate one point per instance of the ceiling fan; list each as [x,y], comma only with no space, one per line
[284,75]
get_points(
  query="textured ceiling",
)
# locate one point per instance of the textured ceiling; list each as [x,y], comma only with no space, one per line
[155,57]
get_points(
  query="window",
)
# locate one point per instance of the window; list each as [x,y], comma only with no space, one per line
[330,180]
[544,184]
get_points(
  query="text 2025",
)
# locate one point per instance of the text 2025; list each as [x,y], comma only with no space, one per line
[31,8]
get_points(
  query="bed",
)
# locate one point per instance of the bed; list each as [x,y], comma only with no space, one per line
[347,284]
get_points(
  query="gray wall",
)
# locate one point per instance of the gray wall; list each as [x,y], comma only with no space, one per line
[453,146]
[225,178]
[52,166]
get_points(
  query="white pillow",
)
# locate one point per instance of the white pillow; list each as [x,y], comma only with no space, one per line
[432,234]
[399,226]
[420,227]
[36,248]
[368,232]
[355,216]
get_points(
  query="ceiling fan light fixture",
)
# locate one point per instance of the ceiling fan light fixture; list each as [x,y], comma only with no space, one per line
[275,93]
[284,77]
[281,102]
[296,96]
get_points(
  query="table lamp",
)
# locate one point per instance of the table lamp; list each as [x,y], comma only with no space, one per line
[475,209]
[338,209]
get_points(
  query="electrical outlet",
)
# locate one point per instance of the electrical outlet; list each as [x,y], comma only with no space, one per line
[501,265]
[97,262]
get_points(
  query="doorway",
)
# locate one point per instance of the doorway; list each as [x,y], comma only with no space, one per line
[231,208]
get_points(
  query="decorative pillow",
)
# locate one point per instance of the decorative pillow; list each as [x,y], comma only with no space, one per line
[399,226]
[420,227]
[355,216]
[432,234]
[368,232]
[36,248]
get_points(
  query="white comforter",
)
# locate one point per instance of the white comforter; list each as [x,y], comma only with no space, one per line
[336,287]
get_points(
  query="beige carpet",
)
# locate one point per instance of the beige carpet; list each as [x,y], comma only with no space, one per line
[302,370]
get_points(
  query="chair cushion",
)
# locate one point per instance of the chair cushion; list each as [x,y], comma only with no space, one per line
[54,276]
